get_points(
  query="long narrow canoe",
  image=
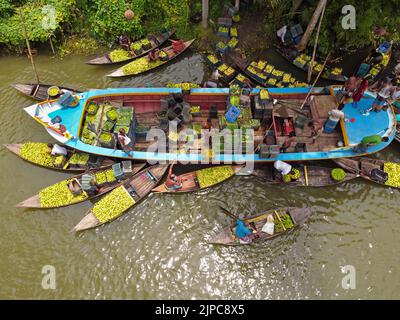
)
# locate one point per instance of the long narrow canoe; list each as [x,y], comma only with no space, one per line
[58,195]
[197,180]
[364,167]
[298,217]
[38,153]
[38,91]
[310,176]
[155,40]
[244,66]
[329,74]
[121,199]
[141,65]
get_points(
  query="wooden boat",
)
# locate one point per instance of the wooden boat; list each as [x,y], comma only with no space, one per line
[156,41]
[145,105]
[310,176]
[265,77]
[365,168]
[38,91]
[191,183]
[298,216]
[145,66]
[35,201]
[136,188]
[292,55]
[397,136]
[374,71]
[93,162]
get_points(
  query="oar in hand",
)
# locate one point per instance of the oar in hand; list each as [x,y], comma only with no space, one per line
[229,213]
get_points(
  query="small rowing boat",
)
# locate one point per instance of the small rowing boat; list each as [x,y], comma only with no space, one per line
[379,171]
[309,176]
[142,65]
[39,91]
[38,153]
[138,49]
[285,220]
[201,179]
[122,198]
[68,192]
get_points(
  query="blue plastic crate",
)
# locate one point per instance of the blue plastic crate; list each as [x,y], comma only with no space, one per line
[232,114]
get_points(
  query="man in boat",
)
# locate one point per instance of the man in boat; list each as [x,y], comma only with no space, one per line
[359,92]
[124,140]
[348,91]
[317,127]
[178,45]
[89,184]
[213,82]
[173,182]
[384,93]
[153,55]
[282,167]
[124,42]
[369,141]
[243,232]
[56,150]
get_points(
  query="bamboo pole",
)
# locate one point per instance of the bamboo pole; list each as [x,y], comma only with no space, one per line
[51,45]
[310,66]
[28,45]
[316,80]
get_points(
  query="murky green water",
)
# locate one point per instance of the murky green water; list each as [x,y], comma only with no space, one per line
[159,250]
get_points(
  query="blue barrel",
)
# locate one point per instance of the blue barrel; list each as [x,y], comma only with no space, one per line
[330,125]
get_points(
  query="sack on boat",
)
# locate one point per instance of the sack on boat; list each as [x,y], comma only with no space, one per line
[269,226]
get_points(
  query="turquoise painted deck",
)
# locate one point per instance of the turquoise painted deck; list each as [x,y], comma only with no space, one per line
[362,126]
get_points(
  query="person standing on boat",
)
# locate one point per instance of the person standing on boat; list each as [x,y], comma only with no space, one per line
[348,91]
[243,232]
[385,90]
[57,150]
[213,82]
[369,141]
[395,97]
[359,93]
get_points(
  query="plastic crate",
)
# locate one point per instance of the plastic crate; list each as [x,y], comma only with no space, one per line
[232,114]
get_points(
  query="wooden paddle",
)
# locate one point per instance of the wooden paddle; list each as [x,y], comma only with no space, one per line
[228,213]
[279,218]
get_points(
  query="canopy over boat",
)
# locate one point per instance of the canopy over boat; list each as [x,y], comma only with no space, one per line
[144,108]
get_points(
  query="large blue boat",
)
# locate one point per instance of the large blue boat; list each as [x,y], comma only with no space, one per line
[255,124]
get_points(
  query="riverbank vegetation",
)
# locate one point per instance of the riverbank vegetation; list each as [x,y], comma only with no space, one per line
[103,21]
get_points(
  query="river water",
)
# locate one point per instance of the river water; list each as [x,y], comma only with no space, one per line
[159,249]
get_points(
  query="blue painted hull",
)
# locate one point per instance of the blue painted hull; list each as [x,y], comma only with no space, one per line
[359,126]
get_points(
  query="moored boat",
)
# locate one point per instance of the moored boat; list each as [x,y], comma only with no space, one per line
[121,55]
[379,171]
[265,74]
[122,198]
[290,218]
[308,176]
[201,179]
[38,153]
[39,91]
[302,61]
[139,110]
[69,191]
[142,65]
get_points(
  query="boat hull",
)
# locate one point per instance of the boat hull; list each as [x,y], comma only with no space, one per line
[358,126]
